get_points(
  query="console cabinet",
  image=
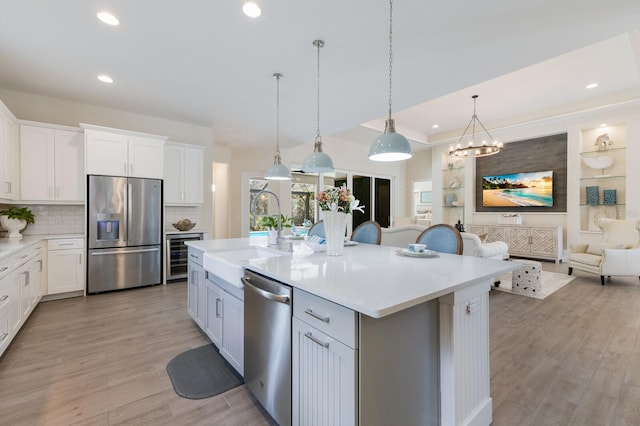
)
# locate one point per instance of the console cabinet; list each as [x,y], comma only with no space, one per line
[537,242]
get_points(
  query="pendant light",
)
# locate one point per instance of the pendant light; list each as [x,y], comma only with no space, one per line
[318,161]
[472,150]
[277,171]
[390,146]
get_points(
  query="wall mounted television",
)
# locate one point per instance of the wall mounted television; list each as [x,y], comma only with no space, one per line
[532,189]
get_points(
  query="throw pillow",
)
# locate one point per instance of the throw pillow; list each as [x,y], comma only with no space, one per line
[596,248]
[483,238]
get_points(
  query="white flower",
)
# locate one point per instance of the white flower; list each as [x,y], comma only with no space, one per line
[355,206]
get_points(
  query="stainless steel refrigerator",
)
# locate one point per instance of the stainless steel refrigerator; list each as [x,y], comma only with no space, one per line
[124,233]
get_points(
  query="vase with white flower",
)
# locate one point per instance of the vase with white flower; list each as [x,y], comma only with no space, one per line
[336,205]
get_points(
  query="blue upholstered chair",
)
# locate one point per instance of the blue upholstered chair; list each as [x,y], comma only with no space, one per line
[317,229]
[442,238]
[368,232]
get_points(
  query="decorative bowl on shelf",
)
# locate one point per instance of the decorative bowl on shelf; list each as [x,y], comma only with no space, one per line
[184,225]
[599,162]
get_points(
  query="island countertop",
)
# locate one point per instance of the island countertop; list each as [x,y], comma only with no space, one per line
[370,279]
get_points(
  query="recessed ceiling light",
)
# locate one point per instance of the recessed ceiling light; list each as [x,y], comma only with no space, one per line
[603,125]
[105,78]
[108,18]
[251,9]
[435,126]
[592,85]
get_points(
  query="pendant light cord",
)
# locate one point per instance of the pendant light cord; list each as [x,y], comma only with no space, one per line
[277,76]
[318,146]
[390,51]
[318,44]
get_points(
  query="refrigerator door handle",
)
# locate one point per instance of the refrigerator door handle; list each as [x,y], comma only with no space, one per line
[103,253]
[129,208]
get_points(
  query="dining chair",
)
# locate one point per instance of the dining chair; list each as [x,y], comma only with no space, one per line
[368,232]
[316,229]
[442,238]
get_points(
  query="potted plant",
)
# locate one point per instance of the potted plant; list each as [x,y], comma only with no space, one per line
[15,219]
[270,223]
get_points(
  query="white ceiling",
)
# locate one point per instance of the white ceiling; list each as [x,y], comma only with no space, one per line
[205,63]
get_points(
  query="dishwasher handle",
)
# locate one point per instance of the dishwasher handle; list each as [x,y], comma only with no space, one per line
[266,294]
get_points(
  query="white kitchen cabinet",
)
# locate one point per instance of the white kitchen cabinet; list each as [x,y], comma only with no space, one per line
[52,163]
[9,155]
[324,378]
[213,321]
[115,152]
[20,279]
[218,309]
[225,322]
[66,271]
[324,354]
[233,331]
[196,289]
[183,174]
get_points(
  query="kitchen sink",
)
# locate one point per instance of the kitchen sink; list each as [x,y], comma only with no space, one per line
[227,265]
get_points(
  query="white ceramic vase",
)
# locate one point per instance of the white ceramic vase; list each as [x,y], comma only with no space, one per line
[13,226]
[335,228]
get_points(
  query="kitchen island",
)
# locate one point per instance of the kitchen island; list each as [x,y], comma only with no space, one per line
[420,347]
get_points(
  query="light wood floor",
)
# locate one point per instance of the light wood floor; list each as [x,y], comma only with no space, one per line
[573,358]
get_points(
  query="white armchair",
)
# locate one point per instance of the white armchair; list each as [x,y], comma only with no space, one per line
[617,254]
[473,246]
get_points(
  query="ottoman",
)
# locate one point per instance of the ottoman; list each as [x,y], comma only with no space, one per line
[526,280]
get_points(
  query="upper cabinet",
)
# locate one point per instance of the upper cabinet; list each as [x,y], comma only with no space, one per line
[183,174]
[9,155]
[116,152]
[51,163]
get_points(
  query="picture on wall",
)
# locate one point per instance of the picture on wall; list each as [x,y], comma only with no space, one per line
[533,189]
[425,197]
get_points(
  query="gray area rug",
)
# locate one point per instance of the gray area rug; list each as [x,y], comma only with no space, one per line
[202,373]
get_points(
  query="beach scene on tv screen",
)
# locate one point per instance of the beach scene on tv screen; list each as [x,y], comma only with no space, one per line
[533,189]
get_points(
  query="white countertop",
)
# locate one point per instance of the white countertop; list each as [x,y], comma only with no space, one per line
[9,247]
[370,279]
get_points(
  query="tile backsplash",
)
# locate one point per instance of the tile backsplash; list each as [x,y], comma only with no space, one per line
[175,214]
[70,219]
[60,219]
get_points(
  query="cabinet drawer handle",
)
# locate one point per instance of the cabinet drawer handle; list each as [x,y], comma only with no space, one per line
[316,340]
[3,298]
[218,310]
[65,244]
[316,316]
[3,336]
[4,268]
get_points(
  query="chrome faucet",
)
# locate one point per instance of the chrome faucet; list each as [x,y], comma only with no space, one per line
[253,211]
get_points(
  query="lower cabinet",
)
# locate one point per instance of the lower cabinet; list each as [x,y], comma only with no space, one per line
[225,324]
[20,290]
[66,271]
[324,374]
[218,309]
[213,325]
[324,378]
[196,297]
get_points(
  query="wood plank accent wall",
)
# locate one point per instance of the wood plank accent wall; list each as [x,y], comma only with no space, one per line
[532,155]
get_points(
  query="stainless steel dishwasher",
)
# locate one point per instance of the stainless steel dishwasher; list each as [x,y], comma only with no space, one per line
[267,344]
